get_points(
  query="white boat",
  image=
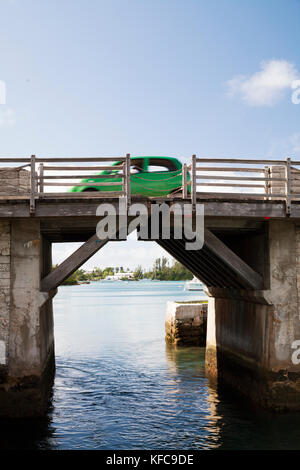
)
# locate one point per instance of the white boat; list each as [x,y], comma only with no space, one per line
[194,284]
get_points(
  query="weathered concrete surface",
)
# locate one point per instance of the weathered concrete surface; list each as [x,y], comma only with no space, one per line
[251,335]
[4,295]
[186,323]
[26,324]
[14,181]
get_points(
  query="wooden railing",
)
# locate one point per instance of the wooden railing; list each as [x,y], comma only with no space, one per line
[242,179]
[64,173]
[203,178]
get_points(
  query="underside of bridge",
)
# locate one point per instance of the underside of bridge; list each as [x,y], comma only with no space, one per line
[252,273]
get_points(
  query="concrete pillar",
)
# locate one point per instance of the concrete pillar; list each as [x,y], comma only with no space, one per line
[253,338]
[14,181]
[26,324]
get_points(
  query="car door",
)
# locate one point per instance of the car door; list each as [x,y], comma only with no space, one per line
[138,167]
[162,176]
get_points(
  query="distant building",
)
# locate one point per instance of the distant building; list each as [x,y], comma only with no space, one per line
[118,276]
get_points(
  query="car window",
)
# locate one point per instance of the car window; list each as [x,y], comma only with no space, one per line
[161,164]
[136,166]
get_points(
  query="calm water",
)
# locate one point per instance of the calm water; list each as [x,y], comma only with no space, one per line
[118,386]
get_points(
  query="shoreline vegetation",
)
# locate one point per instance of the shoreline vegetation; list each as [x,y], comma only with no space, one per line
[162,270]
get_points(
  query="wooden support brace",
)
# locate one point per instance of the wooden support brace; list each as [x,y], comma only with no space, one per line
[233,261]
[73,262]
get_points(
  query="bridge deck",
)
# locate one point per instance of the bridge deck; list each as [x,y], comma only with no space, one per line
[253,188]
[85,206]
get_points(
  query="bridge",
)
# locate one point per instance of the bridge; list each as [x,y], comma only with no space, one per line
[250,263]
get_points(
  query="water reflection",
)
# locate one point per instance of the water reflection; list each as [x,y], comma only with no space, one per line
[119,386]
[26,434]
[229,421]
[187,366]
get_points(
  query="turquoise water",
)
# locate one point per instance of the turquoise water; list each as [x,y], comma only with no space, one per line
[118,386]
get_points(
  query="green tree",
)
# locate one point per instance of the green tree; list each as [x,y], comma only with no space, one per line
[138,273]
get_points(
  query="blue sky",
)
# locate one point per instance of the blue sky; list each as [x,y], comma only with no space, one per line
[159,77]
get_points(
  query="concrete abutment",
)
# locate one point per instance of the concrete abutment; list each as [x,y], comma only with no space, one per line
[251,335]
[26,320]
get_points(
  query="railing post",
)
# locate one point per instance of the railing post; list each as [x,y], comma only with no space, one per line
[184,181]
[32,184]
[288,185]
[127,180]
[267,183]
[41,177]
[193,181]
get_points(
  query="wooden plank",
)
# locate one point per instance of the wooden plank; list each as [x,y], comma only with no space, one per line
[84,195]
[241,161]
[72,263]
[87,183]
[193,179]
[16,160]
[216,168]
[87,207]
[81,159]
[184,181]
[236,178]
[4,197]
[74,177]
[41,177]
[32,184]
[127,185]
[233,261]
[84,168]
[288,185]
[233,185]
[267,176]
[243,196]
[60,208]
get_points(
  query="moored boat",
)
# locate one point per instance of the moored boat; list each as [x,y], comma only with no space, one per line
[194,284]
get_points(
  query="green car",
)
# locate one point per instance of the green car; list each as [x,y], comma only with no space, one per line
[149,176]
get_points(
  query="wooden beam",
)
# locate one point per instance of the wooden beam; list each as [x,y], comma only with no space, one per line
[71,159]
[73,262]
[32,184]
[233,261]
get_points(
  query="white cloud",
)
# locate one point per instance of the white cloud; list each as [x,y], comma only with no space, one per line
[267,86]
[7,117]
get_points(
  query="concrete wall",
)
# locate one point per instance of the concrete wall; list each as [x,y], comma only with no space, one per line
[186,323]
[278,187]
[14,181]
[26,323]
[250,335]
[4,296]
